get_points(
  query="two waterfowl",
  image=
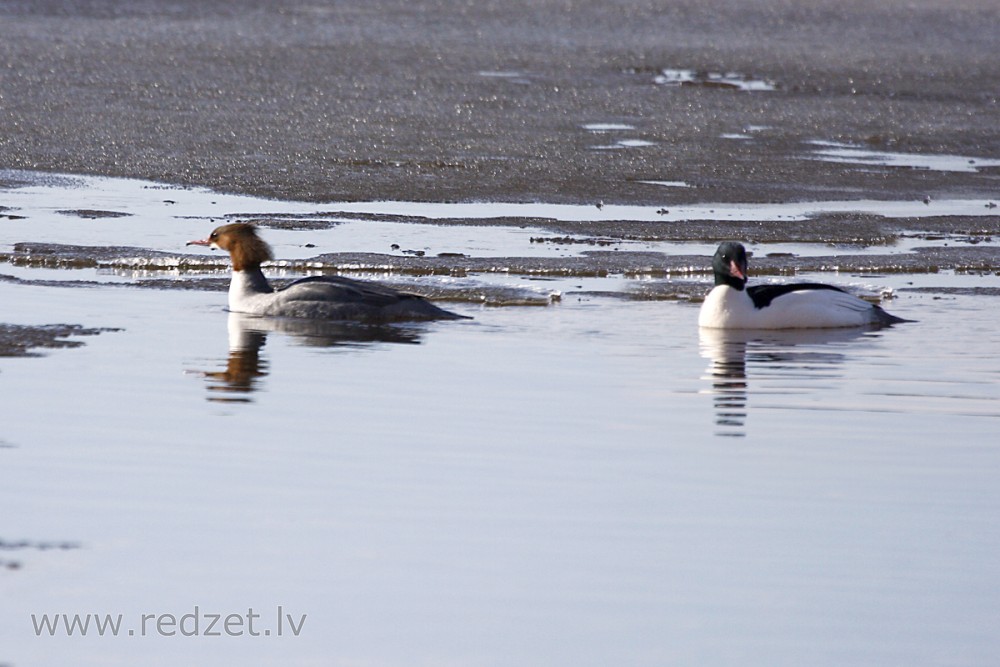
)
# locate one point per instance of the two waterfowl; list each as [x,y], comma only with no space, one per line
[730,305]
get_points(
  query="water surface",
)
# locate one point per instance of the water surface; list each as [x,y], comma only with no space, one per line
[591,482]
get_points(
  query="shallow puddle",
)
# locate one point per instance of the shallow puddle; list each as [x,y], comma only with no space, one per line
[586,483]
[722,80]
[608,127]
[828,151]
[623,143]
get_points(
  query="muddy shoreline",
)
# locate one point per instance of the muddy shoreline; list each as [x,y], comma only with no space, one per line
[441,101]
[629,103]
[27,341]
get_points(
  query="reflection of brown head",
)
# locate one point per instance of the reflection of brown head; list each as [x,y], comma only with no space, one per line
[240,240]
[239,379]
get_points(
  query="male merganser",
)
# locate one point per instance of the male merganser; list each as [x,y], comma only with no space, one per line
[732,305]
[316,297]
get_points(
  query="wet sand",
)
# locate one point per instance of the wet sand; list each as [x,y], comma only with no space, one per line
[442,101]
[25,341]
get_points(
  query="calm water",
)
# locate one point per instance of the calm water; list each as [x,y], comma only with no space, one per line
[590,483]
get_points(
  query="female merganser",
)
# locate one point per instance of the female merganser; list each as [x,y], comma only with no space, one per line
[732,305]
[316,297]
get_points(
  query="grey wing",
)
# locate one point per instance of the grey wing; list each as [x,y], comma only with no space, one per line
[337,298]
[344,290]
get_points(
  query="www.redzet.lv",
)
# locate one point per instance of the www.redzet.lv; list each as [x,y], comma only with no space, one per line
[193,624]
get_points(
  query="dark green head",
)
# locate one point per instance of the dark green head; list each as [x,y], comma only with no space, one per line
[730,265]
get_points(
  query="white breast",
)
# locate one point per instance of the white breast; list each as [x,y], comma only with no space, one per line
[250,293]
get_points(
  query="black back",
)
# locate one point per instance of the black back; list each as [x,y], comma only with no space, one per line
[763,295]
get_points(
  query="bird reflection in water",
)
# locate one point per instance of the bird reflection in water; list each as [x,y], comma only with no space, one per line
[243,367]
[245,364]
[797,358]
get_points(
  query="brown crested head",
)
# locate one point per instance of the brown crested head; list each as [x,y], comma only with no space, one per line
[240,240]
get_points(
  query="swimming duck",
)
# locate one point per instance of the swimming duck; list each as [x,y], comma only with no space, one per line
[316,297]
[733,305]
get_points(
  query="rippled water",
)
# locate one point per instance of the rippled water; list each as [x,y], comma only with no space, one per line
[592,482]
